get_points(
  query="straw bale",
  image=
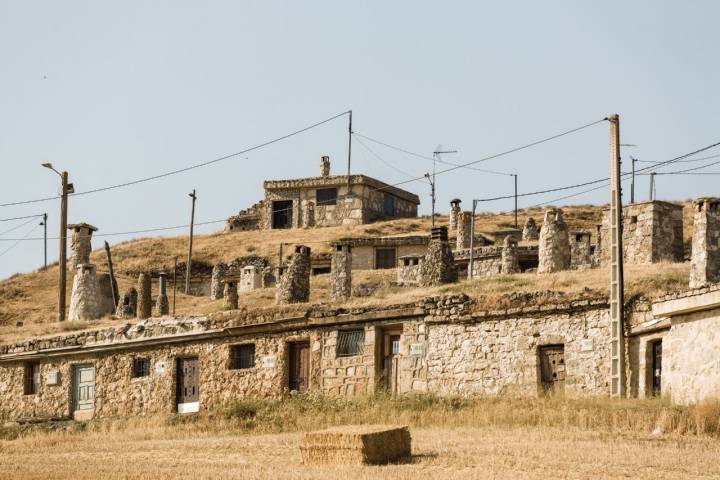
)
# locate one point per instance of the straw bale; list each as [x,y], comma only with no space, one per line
[356,445]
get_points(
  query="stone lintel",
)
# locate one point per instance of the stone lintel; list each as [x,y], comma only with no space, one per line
[687,304]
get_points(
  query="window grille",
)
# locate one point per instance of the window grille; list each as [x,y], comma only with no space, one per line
[326,196]
[242,356]
[140,367]
[351,342]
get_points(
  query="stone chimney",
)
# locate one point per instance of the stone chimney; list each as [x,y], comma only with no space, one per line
[454,212]
[554,246]
[80,243]
[324,166]
[127,307]
[438,266]
[294,284]
[144,300]
[216,281]
[530,230]
[509,257]
[230,295]
[464,226]
[86,301]
[705,259]
[162,304]
[341,272]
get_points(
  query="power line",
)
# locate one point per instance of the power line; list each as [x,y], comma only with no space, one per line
[185,169]
[685,170]
[681,161]
[383,160]
[114,234]
[20,218]
[18,226]
[18,241]
[439,160]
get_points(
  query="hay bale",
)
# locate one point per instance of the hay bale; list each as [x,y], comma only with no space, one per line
[355,445]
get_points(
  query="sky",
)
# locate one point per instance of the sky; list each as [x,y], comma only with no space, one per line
[117,91]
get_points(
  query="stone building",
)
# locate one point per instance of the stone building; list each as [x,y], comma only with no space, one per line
[705,258]
[554,244]
[581,250]
[374,253]
[487,261]
[80,243]
[652,233]
[530,230]
[328,201]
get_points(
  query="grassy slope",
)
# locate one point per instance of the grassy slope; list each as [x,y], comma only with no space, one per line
[31,298]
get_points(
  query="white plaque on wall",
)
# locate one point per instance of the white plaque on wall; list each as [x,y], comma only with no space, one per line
[52,378]
[269,361]
[160,367]
[417,349]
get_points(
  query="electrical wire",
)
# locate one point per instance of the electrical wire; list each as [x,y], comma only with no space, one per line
[185,169]
[21,218]
[17,226]
[18,241]
[683,171]
[438,159]
[410,175]
[681,161]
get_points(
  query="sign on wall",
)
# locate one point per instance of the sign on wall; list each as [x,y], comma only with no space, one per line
[52,377]
[417,349]
[269,361]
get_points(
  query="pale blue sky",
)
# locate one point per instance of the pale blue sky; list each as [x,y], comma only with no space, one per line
[114,91]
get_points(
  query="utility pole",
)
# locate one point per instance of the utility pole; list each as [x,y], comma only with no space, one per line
[115,294]
[436,154]
[189,260]
[471,263]
[44,224]
[652,186]
[350,133]
[174,283]
[515,178]
[632,183]
[65,188]
[617,330]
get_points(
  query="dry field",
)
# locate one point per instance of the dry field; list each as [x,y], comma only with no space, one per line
[483,438]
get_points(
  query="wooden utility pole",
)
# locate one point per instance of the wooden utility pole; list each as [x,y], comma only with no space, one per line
[62,278]
[115,294]
[471,262]
[652,186]
[632,183]
[515,178]
[350,133]
[174,284]
[189,260]
[617,327]
[44,224]
[436,154]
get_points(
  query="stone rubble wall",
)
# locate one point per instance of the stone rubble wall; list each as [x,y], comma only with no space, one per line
[705,258]
[554,244]
[580,250]
[438,265]
[86,300]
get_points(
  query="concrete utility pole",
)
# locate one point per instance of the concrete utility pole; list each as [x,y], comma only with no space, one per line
[471,263]
[189,260]
[652,186]
[174,284]
[65,188]
[44,224]
[632,183]
[617,329]
[350,133]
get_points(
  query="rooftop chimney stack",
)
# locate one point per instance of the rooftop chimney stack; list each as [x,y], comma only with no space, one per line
[324,166]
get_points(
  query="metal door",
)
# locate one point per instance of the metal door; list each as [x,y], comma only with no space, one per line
[657,367]
[188,385]
[552,368]
[299,366]
[84,388]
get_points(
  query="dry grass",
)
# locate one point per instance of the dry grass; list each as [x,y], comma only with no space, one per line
[31,298]
[452,438]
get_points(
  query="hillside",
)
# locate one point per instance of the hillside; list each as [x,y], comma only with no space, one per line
[28,301]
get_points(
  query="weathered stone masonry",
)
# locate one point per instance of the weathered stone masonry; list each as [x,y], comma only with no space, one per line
[705,260]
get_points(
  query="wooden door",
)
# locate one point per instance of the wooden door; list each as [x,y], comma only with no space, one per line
[657,367]
[188,385]
[391,350]
[552,368]
[83,391]
[299,366]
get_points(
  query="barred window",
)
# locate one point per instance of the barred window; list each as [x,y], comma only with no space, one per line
[326,196]
[350,342]
[242,356]
[140,367]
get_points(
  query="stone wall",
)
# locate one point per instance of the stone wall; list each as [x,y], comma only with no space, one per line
[251,218]
[580,249]
[408,272]
[705,259]
[652,233]
[347,375]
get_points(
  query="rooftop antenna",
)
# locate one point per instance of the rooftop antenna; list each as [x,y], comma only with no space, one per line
[436,156]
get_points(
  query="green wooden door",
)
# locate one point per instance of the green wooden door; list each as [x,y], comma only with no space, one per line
[84,390]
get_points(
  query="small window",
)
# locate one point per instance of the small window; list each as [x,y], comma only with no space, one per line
[140,367]
[326,196]
[351,342]
[385,258]
[578,237]
[633,219]
[242,356]
[389,205]
[32,378]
